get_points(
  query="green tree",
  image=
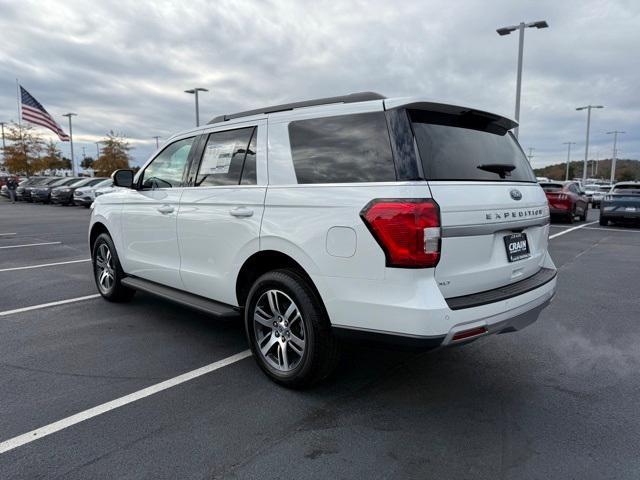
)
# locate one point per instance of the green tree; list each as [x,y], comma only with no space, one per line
[22,154]
[114,155]
[87,162]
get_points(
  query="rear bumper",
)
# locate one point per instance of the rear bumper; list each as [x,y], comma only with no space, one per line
[559,210]
[620,213]
[415,312]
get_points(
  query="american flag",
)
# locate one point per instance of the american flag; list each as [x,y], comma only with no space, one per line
[34,112]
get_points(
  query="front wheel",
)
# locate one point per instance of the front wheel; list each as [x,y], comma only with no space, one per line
[288,330]
[108,272]
[583,217]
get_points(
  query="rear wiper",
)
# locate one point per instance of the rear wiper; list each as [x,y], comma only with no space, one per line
[502,169]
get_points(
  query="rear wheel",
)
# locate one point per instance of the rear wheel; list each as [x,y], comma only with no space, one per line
[288,330]
[583,217]
[571,216]
[604,221]
[108,272]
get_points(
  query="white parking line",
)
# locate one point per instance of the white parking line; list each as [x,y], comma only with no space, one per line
[46,305]
[32,245]
[612,229]
[28,267]
[570,230]
[119,402]
[6,234]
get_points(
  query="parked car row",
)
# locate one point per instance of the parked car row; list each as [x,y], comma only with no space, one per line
[61,190]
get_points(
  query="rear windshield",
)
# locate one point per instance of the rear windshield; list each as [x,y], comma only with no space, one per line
[633,189]
[454,148]
[552,187]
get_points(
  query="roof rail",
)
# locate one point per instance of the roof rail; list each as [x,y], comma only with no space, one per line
[351,98]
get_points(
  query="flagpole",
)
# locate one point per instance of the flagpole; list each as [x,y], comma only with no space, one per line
[19,105]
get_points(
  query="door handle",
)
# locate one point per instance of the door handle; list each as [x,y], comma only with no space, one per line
[164,209]
[241,212]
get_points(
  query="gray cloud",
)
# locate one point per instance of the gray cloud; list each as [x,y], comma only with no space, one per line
[124,65]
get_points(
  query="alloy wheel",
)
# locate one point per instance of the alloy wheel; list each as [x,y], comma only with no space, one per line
[279,330]
[105,271]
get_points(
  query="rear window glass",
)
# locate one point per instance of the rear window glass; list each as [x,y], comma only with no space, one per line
[634,189]
[551,187]
[342,149]
[457,148]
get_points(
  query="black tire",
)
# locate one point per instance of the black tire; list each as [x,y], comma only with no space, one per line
[583,217]
[115,291]
[571,216]
[604,221]
[320,352]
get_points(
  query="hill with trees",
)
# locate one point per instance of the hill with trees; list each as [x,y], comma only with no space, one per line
[626,169]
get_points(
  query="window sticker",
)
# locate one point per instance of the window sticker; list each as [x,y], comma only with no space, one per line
[217,159]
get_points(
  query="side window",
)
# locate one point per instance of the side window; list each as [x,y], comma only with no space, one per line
[224,157]
[574,188]
[342,149]
[167,169]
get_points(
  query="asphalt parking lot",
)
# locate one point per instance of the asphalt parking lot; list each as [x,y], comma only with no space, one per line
[557,400]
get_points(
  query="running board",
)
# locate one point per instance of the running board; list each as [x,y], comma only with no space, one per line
[187,299]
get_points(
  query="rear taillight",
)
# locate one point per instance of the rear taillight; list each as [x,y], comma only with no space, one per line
[407,229]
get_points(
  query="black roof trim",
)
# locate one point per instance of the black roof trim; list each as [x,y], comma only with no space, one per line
[351,98]
[481,116]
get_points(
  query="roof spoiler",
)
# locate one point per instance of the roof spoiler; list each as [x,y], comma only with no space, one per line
[476,117]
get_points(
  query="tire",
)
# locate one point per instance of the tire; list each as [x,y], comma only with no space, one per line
[103,253]
[271,327]
[583,217]
[571,216]
[604,221]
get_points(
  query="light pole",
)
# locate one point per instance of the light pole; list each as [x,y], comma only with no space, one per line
[97,150]
[3,144]
[531,155]
[73,163]
[586,146]
[615,152]
[506,31]
[157,144]
[568,157]
[195,91]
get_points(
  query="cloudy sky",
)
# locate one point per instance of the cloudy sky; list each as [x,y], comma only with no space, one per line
[123,66]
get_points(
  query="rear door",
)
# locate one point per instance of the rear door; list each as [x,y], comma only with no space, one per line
[221,209]
[494,214]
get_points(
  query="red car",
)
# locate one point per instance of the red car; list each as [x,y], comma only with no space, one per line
[566,200]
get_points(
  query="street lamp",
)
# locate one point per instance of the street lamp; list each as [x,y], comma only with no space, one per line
[73,163]
[97,150]
[568,157]
[157,138]
[195,92]
[615,152]
[506,31]
[586,146]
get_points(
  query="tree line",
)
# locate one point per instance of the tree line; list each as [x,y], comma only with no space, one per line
[625,170]
[27,153]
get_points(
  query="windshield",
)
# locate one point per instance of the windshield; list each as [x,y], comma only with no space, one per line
[81,183]
[453,147]
[605,188]
[104,183]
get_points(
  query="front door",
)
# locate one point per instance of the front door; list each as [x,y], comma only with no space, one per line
[149,217]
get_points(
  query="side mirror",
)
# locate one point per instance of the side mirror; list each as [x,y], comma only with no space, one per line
[123,178]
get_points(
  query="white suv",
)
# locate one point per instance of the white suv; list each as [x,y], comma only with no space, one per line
[393,219]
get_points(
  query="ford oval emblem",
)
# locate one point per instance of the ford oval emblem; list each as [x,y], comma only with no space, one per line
[515,194]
